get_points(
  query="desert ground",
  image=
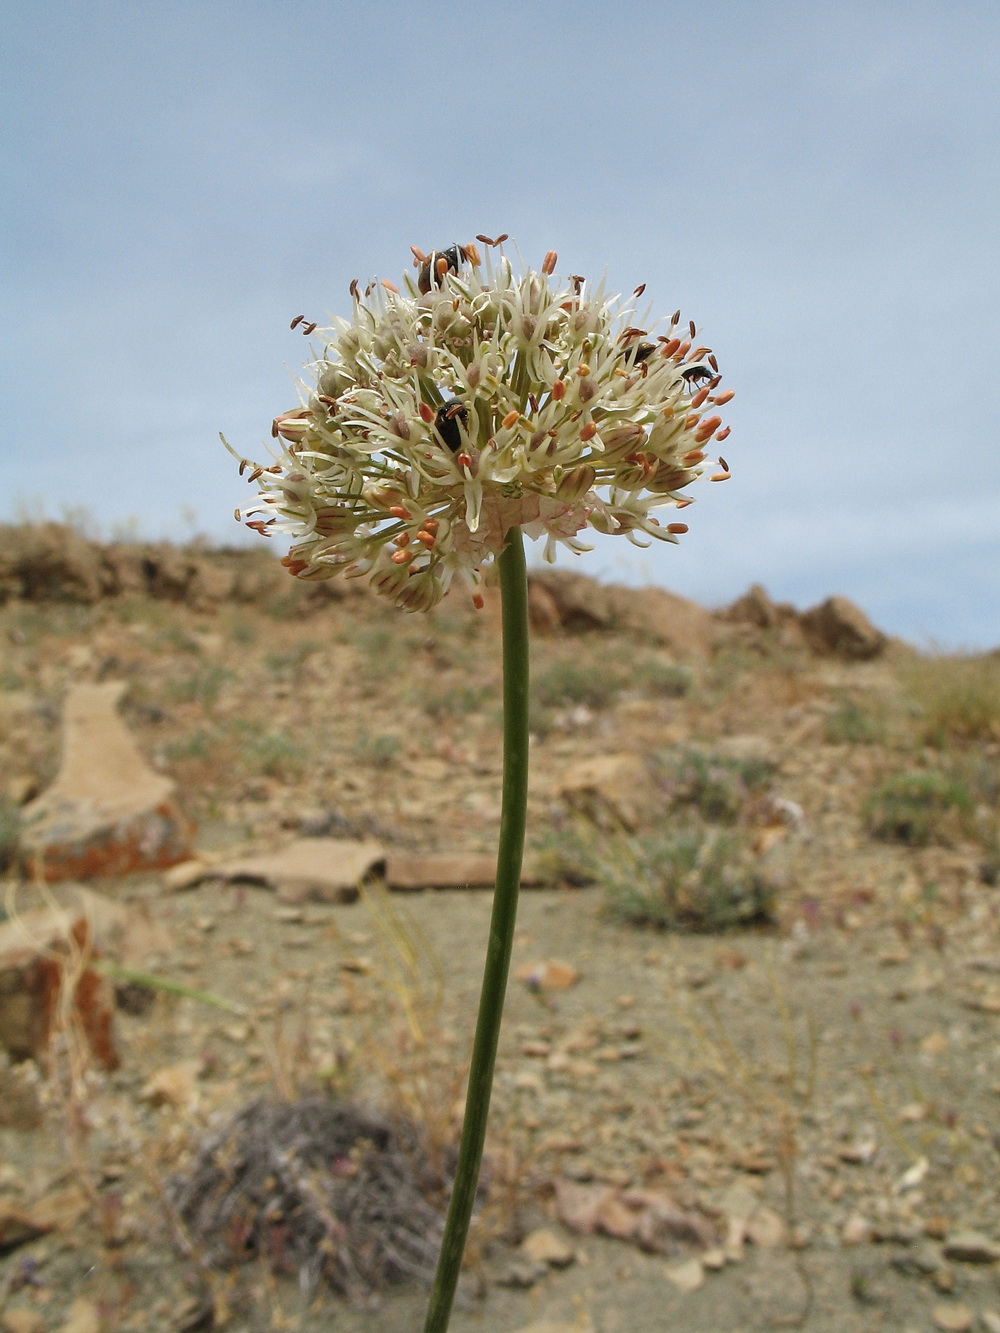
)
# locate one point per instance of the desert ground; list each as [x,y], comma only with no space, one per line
[750,1068]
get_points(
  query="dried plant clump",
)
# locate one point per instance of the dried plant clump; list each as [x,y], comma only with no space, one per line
[316,1187]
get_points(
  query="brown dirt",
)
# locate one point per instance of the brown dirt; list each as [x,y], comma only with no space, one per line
[815,1062]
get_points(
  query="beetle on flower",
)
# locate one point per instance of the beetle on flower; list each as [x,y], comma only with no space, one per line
[474,401]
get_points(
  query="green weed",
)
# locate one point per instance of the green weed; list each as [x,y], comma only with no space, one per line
[918,808]
[663,680]
[717,788]
[850,724]
[694,879]
[566,683]
[379,751]
[955,698]
[202,686]
[275,754]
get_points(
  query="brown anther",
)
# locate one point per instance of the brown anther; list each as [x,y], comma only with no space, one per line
[390,286]
[558,390]
[353,289]
[669,348]
[675,318]
[307,329]
[511,419]
[692,327]
[274,429]
[237,515]
[640,289]
[699,397]
[720,476]
[677,528]
[699,352]
[725,397]
[369,289]
[588,431]
[723,464]
[463,459]
[550,261]
[418,254]
[577,280]
[583,370]
[713,363]
[478,600]
[486,240]
[532,402]
[397,511]
[426,413]
[427,538]
[257,472]
[296,321]
[401,539]
[472,255]
[400,557]
[504,236]
[243,466]
[723,434]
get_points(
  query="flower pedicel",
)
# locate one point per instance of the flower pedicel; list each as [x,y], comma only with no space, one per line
[474,401]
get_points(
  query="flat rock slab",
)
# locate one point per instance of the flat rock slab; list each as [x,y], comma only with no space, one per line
[325,870]
[449,870]
[107,812]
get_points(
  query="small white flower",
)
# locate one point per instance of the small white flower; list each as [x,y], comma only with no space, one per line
[474,401]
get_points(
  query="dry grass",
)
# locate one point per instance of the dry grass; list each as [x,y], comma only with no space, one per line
[956,699]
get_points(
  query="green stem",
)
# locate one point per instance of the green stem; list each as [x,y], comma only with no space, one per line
[513,815]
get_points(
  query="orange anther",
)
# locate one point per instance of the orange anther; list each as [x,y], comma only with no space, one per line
[431,525]
[724,434]
[400,557]
[683,350]
[668,411]
[472,255]
[463,459]
[550,261]
[427,538]
[694,456]
[390,286]
[588,431]
[683,504]
[418,254]
[441,265]
[511,419]
[426,413]
[725,397]
[671,347]
[720,476]
[558,390]
[692,421]
[583,369]
[397,511]
[699,397]
[403,539]
[478,600]
[677,527]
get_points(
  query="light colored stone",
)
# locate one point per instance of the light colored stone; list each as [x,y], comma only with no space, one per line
[83,1317]
[857,1230]
[687,1276]
[448,870]
[766,1228]
[548,975]
[989,1321]
[545,1247]
[107,812]
[174,1085]
[22,1320]
[612,790]
[555,1326]
[186,875]
[714,1259]
[971,1247]
[326,870]
[952,1318]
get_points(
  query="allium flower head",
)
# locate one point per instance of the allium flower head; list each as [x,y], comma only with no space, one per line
[476,399]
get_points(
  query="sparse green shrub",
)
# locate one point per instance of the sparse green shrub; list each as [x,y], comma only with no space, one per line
[665,680]
[275,754]
[850,724]
[566,855]
[203,685]
[242,632]
[198,745]
[452,701]
[956,698]
[288,662]
[717,788]
[690,879]
[919,808]
[379,751]
[563,684]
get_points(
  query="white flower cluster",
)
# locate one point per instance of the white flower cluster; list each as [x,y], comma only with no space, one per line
[478,400]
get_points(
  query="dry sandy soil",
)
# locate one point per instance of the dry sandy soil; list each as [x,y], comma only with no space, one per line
[841,1062]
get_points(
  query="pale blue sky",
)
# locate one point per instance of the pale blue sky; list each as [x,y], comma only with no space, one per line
[815,184]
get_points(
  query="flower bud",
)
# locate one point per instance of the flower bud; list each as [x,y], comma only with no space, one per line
[576,483]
